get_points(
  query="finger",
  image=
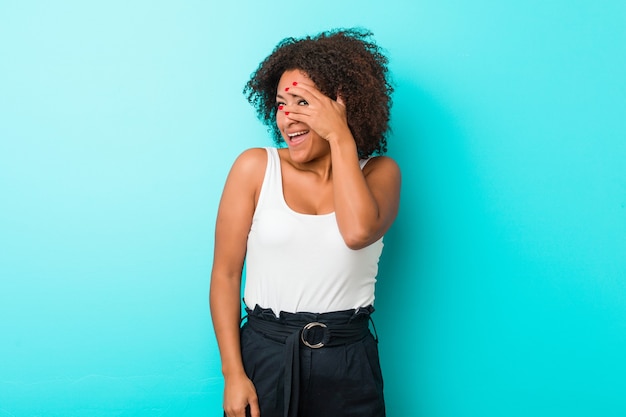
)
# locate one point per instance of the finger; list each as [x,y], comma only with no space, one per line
[306,91]
[298,117]
[294,109]
[240,412]
[304,86]
[254,408]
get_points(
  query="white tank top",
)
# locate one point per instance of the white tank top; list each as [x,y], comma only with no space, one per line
[299,262]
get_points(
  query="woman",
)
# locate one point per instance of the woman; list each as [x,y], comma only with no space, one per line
[308,220]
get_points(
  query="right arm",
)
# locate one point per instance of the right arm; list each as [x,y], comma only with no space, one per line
[234,219]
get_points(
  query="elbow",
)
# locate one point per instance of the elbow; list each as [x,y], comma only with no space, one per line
[356,245]
[359,240]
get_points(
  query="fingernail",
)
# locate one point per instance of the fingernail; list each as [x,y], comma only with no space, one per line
[280,107]
[295,83]
[286,113]
[287,89]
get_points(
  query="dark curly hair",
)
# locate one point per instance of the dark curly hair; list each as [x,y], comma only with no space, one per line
[340,61]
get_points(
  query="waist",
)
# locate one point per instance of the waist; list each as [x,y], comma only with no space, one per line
[312,330]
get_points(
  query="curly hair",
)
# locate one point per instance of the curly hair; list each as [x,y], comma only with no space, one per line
[343,62]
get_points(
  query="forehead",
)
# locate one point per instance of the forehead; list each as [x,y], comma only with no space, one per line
[291,76]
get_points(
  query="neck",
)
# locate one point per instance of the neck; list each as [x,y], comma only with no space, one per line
[321,167]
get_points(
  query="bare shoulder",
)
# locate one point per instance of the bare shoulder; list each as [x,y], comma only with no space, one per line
[246,175]
[251,161]
[248,169]
[382,165]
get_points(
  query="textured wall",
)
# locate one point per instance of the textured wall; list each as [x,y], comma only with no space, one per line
[502,288]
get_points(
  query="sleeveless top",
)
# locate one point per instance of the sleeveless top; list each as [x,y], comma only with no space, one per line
[299,262]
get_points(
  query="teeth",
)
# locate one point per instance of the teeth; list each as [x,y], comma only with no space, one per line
[293,135]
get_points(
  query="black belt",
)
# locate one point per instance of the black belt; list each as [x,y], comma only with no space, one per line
[311,330]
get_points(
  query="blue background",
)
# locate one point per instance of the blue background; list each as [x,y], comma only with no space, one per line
[502,287]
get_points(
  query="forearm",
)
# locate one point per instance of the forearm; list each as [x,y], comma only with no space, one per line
[239,391]
[226,314]
[356,208]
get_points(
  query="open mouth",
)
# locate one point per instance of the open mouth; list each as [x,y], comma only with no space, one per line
[297,137]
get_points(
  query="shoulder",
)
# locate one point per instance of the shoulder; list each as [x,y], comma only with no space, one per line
[250,162]
[248,170]
[245,179]
[381,165]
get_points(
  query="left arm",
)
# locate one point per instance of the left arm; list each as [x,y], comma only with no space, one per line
[366,201]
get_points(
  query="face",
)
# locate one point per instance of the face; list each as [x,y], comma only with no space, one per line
[304,144]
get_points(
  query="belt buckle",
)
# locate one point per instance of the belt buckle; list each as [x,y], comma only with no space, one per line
[308,327]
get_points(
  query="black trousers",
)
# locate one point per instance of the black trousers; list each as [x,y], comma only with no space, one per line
[341,380]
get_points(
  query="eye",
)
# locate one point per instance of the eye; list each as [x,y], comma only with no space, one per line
[303,103]
[279,103]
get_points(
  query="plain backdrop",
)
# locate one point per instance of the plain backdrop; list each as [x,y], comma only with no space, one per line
[502,288]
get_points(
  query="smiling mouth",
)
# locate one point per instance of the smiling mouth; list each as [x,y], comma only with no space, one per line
[296,134]
[297,137]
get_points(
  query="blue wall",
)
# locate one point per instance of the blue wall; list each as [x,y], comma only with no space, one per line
[503,282]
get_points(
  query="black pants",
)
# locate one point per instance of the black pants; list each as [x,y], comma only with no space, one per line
[334,381]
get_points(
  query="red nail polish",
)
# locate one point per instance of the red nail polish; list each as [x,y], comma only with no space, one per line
[287,89]
[286,113]
[295,83]
[280,107]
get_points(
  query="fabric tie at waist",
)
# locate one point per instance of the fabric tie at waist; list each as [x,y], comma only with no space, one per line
[307,330]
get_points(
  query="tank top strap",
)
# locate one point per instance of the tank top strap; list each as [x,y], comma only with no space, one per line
[272,188]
